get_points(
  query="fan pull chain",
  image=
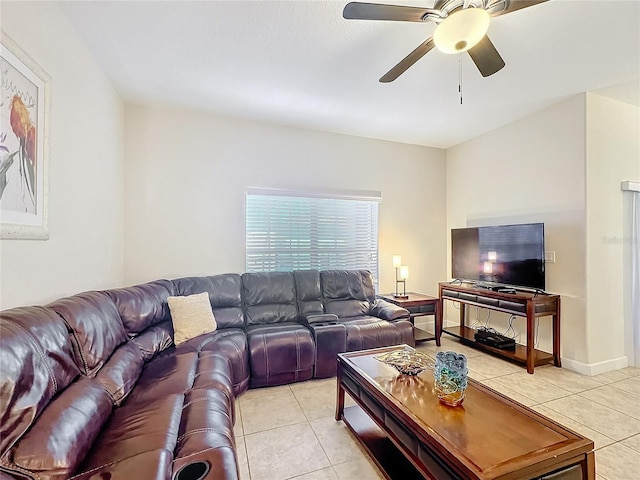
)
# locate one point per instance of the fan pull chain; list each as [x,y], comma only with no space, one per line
[460,79]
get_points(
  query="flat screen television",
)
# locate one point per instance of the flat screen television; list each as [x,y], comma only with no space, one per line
[511,255]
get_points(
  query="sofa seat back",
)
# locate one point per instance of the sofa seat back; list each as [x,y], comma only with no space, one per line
[225,295]
[95,326]
[308,292]
[347,293]
[269,297]
[102,347]
[49,414]
[142,306]
[144,312]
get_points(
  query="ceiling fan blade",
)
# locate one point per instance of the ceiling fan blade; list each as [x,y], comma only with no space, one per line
[500,7]
[407,61]
[486,57]
[375,11]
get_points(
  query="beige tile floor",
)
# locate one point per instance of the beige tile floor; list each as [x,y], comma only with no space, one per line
[288,432]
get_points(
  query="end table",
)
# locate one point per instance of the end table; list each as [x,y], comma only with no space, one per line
[419,305]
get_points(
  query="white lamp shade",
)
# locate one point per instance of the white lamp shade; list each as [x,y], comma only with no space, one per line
[397,261]
[492,256]
[404,272]
[488,267]
[462,30]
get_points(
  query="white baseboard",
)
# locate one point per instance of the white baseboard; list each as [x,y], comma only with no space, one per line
[592,369]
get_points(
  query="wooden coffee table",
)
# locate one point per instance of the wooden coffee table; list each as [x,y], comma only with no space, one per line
[410,434]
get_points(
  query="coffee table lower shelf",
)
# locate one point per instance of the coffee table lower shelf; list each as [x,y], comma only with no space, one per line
[393,464]
[519,355]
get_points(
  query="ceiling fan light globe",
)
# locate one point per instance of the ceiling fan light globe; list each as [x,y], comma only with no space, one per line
[461,30]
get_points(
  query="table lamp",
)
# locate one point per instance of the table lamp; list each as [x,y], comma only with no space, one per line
[402,273]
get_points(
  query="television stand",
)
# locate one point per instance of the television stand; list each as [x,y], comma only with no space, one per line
[522,303]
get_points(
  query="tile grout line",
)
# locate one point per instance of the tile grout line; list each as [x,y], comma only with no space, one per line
[314,434]
[332,417]
[558,386]
[244,440]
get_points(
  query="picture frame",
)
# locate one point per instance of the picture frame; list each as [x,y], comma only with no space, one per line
[24,144]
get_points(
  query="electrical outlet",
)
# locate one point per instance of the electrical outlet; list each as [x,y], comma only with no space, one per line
[550,257]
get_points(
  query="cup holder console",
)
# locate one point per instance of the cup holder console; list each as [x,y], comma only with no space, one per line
[193,471]
[323,324]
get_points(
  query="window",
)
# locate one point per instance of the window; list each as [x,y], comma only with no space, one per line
[288,230]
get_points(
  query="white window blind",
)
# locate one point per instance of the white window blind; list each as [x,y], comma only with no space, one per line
[297,231]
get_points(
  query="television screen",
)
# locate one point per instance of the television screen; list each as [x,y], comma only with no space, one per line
[501,254]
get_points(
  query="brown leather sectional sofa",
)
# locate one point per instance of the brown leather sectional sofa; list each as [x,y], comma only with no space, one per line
[92,387]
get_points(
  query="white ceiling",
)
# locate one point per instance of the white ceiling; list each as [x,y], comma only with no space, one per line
[300,63]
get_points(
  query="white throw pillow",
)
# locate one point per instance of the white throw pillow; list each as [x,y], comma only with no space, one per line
[191,316]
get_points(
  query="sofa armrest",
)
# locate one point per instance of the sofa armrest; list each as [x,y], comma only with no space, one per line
[320,319]
[330,339]
[388,311]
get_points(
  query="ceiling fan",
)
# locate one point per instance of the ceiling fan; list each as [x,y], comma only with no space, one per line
[461,27]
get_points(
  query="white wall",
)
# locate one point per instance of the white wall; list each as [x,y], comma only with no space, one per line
[613,155]
[85,168]
[532,170]
[187,172]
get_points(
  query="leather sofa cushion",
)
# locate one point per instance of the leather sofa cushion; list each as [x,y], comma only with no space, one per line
[230,343]
[347,293]
[165,375]
[214,372]
[119,374]
[281,353]
[224,293]
[308,292]
[64,432]
[151,465]
[206,434]
[154,340]
[348,284]
[136,428]
[142,306]
[347,308]
[269,297]
[36,362]
[96,328]
[371,332]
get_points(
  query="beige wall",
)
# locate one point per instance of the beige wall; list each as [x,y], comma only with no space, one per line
[85,168]
[532,170]
[138,193]
[562,166]
[186,175]
[613,155]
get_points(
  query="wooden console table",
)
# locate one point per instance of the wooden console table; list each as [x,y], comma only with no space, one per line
[419,305]
[522,303]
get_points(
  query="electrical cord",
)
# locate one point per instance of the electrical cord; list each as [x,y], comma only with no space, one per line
[513,334]
[486,322]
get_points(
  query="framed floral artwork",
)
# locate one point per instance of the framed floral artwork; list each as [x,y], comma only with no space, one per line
[24,135]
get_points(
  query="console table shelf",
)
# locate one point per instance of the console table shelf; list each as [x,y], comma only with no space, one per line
[521,303]
[466,336]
